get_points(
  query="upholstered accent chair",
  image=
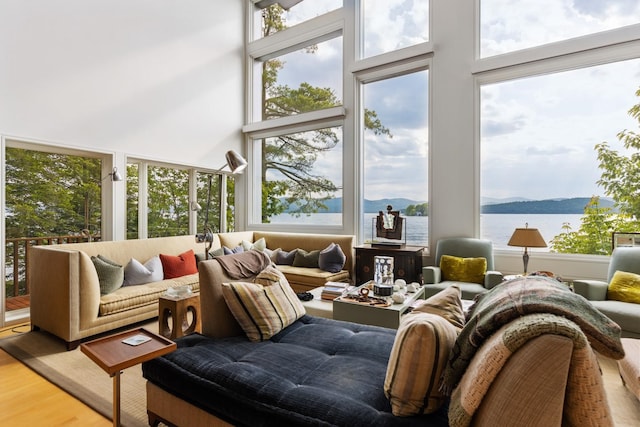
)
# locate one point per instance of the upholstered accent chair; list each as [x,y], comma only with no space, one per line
[625,312]
[464,261]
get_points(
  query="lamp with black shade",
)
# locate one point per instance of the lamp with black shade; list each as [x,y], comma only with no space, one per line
[527,238]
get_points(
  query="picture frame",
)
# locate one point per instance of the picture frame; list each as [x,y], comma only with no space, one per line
[623,239]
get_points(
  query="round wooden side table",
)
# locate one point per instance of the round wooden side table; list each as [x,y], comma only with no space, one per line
[177,308]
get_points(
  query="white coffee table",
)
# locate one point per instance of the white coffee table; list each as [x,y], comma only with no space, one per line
[317,306]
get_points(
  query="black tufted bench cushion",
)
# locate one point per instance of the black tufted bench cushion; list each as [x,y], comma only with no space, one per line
[315,372]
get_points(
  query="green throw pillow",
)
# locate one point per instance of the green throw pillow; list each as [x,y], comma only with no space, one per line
[471,270]
[110,274]
[306,259]
[625,287]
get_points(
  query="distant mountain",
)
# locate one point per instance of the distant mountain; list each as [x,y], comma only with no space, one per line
[494,201]
[515,205]
[574,205]
[370,206]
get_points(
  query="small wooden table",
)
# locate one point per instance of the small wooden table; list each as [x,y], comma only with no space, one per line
[178,308]
[113,355]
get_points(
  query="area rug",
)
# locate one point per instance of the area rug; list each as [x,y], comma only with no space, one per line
[79,376]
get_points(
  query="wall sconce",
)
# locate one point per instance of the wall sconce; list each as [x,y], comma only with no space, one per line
[524,238]
[115,175]
[235,162]
[285,4]
[195,206]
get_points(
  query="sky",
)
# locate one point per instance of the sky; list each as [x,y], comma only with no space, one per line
[540,130]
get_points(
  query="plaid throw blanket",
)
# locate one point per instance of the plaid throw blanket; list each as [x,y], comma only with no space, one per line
[517,298]
[585,402]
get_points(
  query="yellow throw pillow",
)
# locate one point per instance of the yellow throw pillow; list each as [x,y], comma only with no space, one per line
[625,287]
[471,270]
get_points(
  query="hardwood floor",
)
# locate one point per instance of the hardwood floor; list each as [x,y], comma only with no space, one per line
[27,399]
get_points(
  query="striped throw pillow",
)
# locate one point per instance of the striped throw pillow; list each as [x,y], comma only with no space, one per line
[418,357]
[262,310]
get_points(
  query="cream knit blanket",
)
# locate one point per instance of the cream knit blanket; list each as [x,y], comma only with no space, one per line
[585,400]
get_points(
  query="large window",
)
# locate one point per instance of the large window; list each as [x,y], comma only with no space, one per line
[394,24]
[538,139]
[317,138]
[395,152]
[510,25]
[301,12]
[159,204]
[306,80]
[50,197]
[302,177]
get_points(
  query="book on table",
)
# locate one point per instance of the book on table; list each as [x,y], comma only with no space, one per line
[333,290]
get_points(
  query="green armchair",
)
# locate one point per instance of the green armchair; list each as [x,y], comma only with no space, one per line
[625,314]
[462,247]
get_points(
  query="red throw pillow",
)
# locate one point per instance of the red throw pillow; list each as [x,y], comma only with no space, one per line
[181,265]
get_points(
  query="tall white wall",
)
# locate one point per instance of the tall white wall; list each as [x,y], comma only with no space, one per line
[158,79]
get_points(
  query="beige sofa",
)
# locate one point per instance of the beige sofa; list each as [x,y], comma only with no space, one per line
[301,279]
[65,292]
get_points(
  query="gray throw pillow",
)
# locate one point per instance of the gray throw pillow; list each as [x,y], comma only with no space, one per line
[136,273]
[306,259]
[332,258]
[285,258]
[212,254]
[236,250]
[110,274]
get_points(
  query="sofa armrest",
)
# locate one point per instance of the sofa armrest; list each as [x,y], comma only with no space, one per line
[492,278]
[217,321]
[593,290]
[431,275]
[65,293]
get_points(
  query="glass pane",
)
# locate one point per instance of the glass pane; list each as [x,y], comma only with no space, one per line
[274,18]
[510,25]
[309,79]
[302,178]
[132,200]
[395,152]
[168,210]
[50,198]
[208,186]
[538,138]
[394,24]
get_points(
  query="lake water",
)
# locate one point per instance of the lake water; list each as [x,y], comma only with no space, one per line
[496,227]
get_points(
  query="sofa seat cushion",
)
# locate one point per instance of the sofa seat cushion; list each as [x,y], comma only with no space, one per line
[129,297]
[314,372]
[625,314]
[312,276]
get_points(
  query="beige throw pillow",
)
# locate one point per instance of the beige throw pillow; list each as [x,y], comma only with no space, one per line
[420,354]
[418,358]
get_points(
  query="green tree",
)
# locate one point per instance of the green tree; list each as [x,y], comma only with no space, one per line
[620,179]
[288,161]
[421,209]
[594,234]
[621,173]
[51,194]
